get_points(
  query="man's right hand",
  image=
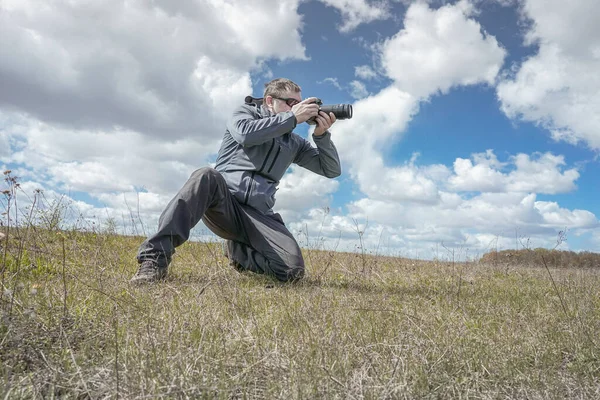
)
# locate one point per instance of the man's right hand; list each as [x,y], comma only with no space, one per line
[305,110]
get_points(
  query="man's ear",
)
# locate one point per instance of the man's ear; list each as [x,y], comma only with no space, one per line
[269,101]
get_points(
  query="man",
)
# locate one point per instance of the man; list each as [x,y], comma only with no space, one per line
[235,199]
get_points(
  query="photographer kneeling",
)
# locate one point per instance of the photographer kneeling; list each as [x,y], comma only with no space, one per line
[235,199]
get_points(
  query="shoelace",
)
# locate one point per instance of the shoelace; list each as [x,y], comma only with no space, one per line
[148,266]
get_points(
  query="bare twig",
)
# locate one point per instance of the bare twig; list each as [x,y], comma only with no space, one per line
[64,276]
[360,233]
[138,214]
[116,327]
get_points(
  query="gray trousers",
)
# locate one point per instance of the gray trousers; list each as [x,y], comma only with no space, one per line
[257,242]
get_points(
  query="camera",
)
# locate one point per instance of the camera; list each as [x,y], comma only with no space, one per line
[341,111]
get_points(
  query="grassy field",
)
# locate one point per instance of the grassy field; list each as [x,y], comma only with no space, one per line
[357,327]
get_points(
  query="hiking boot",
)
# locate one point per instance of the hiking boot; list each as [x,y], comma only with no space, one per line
[149,271]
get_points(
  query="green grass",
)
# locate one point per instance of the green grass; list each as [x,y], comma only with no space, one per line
[356,327]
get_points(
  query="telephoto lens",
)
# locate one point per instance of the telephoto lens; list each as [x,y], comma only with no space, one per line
[341,111]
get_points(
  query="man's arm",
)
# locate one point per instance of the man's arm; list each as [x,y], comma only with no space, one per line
[323,159]
[249,130]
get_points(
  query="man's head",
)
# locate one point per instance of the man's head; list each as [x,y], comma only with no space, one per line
[281,95]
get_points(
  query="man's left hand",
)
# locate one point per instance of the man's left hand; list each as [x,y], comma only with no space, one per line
[324,122]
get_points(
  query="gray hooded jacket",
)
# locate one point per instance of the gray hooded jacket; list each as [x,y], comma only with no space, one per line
[259,146]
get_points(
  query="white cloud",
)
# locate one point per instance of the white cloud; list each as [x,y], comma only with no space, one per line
[439,49]
[559,87]
[96,161]
[108,97]
[358,90]
[376,120]
[573,28]
[300,190]
[478,177]
[153,67]
[558,217]
[496,214]
[88,177]
[365,72]
[423,206]
[437,196]
[461,55]
[320,228]
[403,183]
[541,174]
[332,81]
[470,228]
[356,12]
[5,148]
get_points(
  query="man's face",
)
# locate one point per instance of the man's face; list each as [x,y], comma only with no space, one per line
[283,103]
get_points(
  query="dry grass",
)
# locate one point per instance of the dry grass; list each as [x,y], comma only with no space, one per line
[357,327]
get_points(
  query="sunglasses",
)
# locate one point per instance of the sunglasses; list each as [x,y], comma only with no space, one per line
[289,101]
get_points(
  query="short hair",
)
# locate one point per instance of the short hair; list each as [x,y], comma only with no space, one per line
[278,87]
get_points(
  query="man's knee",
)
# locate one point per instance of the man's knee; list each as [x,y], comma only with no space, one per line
[207,178]
[204,172]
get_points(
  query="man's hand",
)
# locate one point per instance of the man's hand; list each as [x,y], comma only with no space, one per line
[324,122]
[305,110]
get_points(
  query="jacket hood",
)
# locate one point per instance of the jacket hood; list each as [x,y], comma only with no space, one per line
[254,100]
[259,103]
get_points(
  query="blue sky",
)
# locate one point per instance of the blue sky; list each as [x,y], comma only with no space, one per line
[474,120]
